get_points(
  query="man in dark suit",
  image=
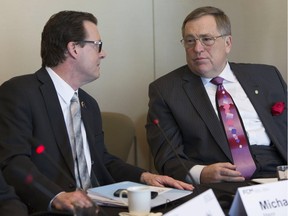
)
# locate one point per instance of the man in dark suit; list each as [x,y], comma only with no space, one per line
[36,149]
[184,103]
[10,203]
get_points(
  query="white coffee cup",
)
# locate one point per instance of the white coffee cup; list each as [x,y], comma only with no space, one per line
[139,199]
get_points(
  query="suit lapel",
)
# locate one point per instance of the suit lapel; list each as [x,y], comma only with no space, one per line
[86,119]
[86,111]
[56,118]
[197,95]
[89,127]
[258,97]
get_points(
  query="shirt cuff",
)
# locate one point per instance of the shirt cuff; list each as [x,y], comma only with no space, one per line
[195,171]
[50,204]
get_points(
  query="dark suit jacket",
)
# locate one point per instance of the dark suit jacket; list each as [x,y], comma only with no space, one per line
[9,202]
[30,114]
[185,113]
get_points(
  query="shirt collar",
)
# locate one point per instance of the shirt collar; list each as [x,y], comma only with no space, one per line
[226,74]
[63,89]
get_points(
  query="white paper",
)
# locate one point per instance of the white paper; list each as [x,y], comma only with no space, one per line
[270,199]
[205,204]
[264,180]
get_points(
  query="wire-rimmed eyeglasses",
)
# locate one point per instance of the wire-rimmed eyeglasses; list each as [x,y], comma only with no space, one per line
[98,44]
[204,40]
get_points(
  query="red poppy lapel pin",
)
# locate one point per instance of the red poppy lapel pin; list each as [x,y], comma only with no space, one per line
[278,108]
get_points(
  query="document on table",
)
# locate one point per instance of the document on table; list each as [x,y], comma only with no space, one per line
[264,180]
[104,195]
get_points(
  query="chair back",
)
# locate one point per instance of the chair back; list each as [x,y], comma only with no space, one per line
[119,135]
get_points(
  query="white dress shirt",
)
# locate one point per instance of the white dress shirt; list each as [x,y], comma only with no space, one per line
[254,128]
[65,93]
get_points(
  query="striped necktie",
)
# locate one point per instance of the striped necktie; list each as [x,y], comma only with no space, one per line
[80,164]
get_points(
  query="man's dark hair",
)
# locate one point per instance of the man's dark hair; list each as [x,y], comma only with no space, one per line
[60,29]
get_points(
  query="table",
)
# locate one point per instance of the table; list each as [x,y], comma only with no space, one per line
[224,193]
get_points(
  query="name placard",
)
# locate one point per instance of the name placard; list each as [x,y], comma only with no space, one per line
[269,199]
[202,205]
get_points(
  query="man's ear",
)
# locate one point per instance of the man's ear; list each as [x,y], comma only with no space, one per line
[228,43]
[72,49]
[228,40]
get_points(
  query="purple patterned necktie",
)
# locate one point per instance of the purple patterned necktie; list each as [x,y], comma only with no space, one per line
[235,132]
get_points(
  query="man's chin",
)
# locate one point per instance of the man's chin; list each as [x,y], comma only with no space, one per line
[202,72]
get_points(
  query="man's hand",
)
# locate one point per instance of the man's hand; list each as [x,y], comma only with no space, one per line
[219,172]
[69,200]
[164,181]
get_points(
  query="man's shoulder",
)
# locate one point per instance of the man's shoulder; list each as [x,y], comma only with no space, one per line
[248,66]
[27,84]
[173,75]
[24,79]
[256,71]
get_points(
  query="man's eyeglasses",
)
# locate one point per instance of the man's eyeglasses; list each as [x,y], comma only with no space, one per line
[96,43]
[204,40]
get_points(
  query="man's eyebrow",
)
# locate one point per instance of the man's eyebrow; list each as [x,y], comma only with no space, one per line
[200,35]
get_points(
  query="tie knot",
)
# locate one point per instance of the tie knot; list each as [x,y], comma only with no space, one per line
[217,80]
[74,98]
